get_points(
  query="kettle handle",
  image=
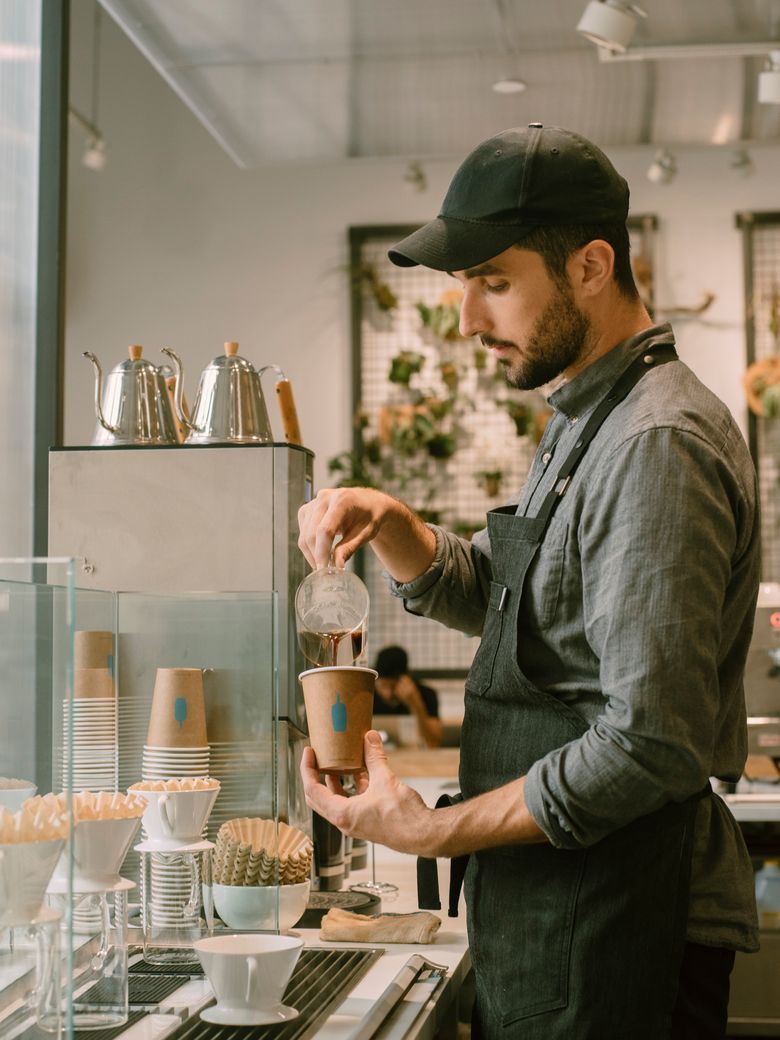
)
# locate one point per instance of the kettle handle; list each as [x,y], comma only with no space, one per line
[99,393]
[287,409]
[178,393]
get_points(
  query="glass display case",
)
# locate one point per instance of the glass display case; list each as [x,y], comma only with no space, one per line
[152,723]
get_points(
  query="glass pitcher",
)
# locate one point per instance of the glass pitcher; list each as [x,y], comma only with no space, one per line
[331,610]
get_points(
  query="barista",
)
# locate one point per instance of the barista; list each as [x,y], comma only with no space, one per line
[397,693]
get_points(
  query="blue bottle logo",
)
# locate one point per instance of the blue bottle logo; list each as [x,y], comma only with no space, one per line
[338,714]
[180,710]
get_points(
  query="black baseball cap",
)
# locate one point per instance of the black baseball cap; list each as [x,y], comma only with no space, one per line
[510,184]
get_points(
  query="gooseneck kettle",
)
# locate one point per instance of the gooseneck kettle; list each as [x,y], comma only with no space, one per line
[134,407]
[229,405]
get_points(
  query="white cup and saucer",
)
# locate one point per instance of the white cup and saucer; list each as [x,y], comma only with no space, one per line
[249,974]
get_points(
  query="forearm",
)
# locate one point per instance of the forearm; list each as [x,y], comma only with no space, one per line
[430,728]
[496,818]
[403,543]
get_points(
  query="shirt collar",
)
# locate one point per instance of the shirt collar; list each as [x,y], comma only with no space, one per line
[574,398]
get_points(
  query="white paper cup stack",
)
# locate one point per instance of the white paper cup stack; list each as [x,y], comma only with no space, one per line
[176,746]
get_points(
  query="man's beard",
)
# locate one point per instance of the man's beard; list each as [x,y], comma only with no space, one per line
[556,341]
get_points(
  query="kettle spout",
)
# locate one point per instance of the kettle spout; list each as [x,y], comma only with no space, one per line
[99,393]
[178,392]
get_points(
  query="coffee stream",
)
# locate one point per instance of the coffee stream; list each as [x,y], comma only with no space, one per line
[323,649]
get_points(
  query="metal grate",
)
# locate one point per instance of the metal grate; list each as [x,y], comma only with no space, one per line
[34,1033]
[321,980]
[190,971]
[144,991]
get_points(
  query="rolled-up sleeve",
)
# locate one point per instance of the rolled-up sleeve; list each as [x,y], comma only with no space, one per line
[454,588]
[657,546]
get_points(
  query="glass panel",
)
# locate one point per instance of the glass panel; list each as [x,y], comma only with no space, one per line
[20,31]
[37,614]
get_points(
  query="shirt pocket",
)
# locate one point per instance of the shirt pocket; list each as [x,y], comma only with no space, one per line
[542,587]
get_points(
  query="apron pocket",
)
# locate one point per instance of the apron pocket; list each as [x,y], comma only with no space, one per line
[522,904]
[480,674]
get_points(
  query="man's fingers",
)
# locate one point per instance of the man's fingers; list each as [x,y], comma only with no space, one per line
[374,751]
[334,784]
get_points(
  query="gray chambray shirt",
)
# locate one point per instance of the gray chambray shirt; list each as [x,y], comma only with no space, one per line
[637,612]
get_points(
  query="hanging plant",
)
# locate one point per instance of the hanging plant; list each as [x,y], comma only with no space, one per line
[490,480]
[365,274]
[520,414]
[762,386]
[443,319]
[405,365]
[441,445]
[450,376]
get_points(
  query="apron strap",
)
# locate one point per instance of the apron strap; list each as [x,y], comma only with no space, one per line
[622,388]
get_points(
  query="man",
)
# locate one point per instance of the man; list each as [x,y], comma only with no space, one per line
[608,888]
[397,693]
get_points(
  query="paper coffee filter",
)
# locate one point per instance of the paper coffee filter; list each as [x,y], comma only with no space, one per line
[32,823]
[249,852]
[177,783]
[9,784]
[104,805]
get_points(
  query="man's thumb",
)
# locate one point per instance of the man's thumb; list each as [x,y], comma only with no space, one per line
[374,750]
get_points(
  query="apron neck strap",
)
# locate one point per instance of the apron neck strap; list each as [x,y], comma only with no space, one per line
[658,355]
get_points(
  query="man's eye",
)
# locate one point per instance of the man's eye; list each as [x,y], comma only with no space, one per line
[496,287]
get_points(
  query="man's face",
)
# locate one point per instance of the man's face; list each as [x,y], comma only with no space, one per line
[386,686]
[529,320]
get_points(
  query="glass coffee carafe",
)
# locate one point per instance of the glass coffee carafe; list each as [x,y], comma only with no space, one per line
[331,609]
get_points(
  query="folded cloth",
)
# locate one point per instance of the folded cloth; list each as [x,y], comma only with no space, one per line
[343,926]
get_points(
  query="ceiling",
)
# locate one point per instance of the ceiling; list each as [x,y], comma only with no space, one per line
[292,80]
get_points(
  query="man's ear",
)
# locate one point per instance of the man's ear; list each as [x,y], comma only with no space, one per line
[591,267]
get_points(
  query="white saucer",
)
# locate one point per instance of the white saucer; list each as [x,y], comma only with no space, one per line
[235,1017]
[87,886]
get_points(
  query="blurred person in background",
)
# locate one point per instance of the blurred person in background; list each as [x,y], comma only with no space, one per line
[397,693]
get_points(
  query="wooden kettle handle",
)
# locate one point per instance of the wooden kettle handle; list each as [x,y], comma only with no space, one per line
[288,411]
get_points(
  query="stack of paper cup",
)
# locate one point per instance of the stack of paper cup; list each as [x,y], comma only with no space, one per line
[176,746]
[93,754]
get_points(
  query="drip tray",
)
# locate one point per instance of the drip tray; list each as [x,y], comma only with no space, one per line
[321,980]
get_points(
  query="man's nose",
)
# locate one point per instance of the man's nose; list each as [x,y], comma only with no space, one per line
[472,318]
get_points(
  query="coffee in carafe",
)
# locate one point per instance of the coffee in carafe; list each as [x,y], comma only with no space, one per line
[331,607]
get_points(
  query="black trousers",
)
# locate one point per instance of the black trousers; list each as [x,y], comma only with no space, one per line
[701,1009]
[702,1004]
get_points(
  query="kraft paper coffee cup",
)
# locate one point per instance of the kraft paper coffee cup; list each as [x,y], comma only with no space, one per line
[92,683]
[178,715]
[339,706]
[93,649]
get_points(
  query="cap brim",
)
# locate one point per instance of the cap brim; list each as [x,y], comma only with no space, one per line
[448,244]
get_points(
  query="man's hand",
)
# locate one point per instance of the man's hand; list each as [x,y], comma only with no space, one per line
[384,810]
[407,693]
[357,516]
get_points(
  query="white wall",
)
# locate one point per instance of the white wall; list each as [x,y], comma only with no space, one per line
[173,245]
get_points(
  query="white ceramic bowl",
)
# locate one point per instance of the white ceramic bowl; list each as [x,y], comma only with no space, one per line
[253,907]
[176,817]
[11,798]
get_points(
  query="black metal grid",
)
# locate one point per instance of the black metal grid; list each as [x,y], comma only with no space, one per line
[489,439]
[761,233]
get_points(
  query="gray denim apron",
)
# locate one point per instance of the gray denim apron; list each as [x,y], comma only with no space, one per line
[566,944]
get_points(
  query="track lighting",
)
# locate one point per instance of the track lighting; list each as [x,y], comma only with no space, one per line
[610,23]
[509,85]
[663,167]
[769,81]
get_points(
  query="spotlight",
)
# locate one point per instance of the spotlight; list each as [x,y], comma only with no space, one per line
[95,156]
[769,81]
[741,162]
[610,23]
[509,85]
[663,168]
